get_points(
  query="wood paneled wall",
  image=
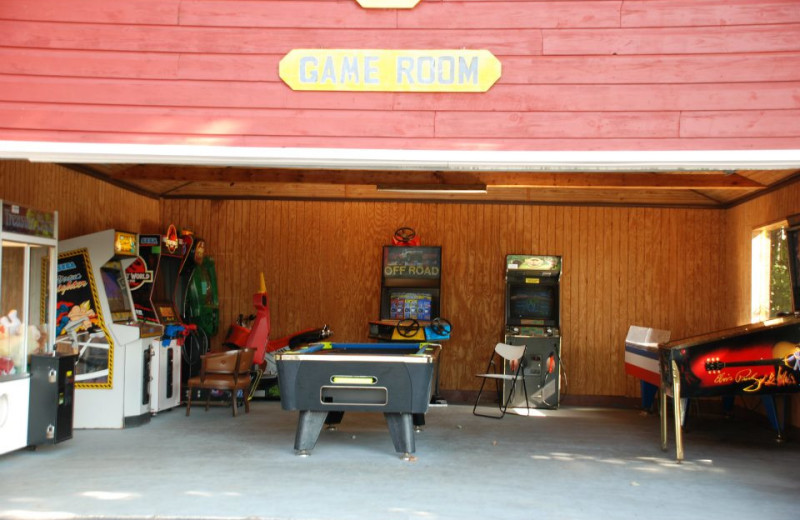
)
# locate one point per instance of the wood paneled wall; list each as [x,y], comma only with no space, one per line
[622,266]
[84,204]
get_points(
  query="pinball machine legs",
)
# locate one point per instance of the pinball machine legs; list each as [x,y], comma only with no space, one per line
[776,420]
[775,417]
[672,385]
[679,411]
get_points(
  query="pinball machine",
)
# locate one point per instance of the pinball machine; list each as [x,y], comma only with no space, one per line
[760,359]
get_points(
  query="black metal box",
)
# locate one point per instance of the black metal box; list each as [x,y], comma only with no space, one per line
[52,398]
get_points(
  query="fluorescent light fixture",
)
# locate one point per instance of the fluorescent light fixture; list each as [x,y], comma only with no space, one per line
[453,189]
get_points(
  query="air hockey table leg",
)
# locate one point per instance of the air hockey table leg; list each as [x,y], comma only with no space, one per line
[309,426]
[401,428]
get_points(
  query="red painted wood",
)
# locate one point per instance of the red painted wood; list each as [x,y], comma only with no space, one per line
[695,40]
[513,125]
[613,98]
[687,69]
[186,93]
[528,70]
[705,74]
[742,123]
[506,15]
[89,64]
[100,118]
[92,11]
[319,13]
[522,98]
[672,13]
[254,67]
[247,40]
[403,143]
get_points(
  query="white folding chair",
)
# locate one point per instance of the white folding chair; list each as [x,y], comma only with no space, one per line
[511,357]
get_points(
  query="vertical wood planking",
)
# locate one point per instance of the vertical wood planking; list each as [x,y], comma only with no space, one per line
[321,260]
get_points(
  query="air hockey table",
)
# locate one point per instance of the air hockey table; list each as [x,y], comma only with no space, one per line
[324,380]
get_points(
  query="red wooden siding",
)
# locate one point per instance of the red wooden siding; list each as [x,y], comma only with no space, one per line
[577,75]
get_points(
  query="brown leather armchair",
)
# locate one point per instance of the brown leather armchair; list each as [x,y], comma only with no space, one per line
[227,371]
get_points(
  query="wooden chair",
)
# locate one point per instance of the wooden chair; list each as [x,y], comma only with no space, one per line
[225,371]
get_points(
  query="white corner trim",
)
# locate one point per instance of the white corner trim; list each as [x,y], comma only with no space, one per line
[375,159]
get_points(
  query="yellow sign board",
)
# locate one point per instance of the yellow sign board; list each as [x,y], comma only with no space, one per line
[385,70]
[388,4]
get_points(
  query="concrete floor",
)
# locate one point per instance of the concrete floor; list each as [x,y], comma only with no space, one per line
[571,463]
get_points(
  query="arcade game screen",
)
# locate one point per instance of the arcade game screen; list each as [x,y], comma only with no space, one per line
[410,305]
[532,303]
[116,285]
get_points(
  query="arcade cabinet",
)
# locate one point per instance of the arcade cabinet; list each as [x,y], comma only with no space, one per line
[532,319]
[411,282]
[410,295]
[196,292]
[152,282]
[96,321]
[27,285]
[196,299]
[200,300]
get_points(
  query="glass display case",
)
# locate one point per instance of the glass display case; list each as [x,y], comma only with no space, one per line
[27,310]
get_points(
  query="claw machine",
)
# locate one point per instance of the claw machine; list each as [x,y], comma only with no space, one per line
[27,285]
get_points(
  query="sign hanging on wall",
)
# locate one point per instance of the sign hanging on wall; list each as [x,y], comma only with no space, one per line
[384,70]
[388,4]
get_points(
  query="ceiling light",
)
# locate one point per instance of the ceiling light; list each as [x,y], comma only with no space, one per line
[453,189]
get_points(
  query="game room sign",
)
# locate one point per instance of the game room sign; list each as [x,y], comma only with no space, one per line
[385,70]
[387,4]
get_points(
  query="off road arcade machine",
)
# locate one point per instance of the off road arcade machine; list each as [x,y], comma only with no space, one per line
[153,304]
[533,319]
[96,319]
[411,296]
[410,292]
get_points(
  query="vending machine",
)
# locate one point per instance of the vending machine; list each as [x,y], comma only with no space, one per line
[532,317]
